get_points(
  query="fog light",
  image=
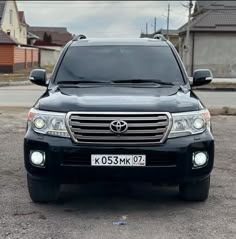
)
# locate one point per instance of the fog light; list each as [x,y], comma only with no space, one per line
[37,158]
[200,159]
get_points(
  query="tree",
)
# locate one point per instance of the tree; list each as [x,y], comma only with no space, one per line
[47,37]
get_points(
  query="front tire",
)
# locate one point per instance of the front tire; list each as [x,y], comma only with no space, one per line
[42,191]
[197,191]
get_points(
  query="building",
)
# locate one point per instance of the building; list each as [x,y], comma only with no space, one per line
[14,53]
[212,38]
[50,41]
[172,35]
[13,22]
[51,36]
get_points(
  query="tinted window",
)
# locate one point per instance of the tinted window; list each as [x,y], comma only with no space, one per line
[108,63]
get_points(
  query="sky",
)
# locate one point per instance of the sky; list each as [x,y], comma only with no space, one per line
[104,18]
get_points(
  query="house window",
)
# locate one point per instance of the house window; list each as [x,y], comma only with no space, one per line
[11,17]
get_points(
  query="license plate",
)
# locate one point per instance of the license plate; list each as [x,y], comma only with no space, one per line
[118,160]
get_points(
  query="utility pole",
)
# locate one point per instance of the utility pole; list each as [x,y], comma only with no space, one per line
[155,25]
[146,28]
[187,37]
[168,21]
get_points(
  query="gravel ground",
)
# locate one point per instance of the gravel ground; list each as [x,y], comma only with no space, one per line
[89,211]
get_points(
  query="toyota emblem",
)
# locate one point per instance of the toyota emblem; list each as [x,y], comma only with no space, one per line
[118,126]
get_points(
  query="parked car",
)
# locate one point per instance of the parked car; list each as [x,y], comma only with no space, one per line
[119,109]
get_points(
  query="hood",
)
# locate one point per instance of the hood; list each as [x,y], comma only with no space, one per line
[118,98]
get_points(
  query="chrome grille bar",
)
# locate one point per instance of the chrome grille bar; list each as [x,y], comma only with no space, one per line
[98,118]
[115,138]
[134,125]
[94,127]
[95,131]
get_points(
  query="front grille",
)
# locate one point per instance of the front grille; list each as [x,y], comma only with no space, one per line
[94,127]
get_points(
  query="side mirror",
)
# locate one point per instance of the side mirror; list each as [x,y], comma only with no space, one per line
[38,77]
[202,77]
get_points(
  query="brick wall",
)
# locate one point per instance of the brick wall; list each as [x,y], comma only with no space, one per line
[6,58]
[19,55]
[35,56]
[25,55]
[13,58]
[6,54]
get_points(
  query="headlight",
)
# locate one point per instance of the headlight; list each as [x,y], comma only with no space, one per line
[39,123]
[190,123]
[50,123]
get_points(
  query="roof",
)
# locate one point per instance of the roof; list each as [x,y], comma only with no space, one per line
[213,20]
[48,48]
[31,36]
[208,5]
[171,32]
[6,39]
[119,41]
[2,6]
[213,16]
[49,29]
[202,6]
[161,31]
[60,35]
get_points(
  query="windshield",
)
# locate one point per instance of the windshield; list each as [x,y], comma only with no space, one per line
[119,63]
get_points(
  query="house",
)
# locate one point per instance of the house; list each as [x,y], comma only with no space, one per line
[14,53]
[212,41]
[51,36]
[50,41]
[13,22]
[172,35]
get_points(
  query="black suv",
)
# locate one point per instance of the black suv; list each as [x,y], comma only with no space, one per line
[118,109]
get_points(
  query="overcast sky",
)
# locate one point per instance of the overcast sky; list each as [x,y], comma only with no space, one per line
[104,18]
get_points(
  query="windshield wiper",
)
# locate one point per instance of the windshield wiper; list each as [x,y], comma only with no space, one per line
[79,82]
[143,81]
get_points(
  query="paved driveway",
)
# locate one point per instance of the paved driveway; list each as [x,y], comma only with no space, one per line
[93,210]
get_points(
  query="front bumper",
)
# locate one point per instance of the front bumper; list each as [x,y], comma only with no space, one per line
[68,162]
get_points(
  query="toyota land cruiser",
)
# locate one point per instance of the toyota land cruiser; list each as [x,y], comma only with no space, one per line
[119,109]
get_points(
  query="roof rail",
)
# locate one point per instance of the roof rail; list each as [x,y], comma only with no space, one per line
[79,37]
[160,37]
